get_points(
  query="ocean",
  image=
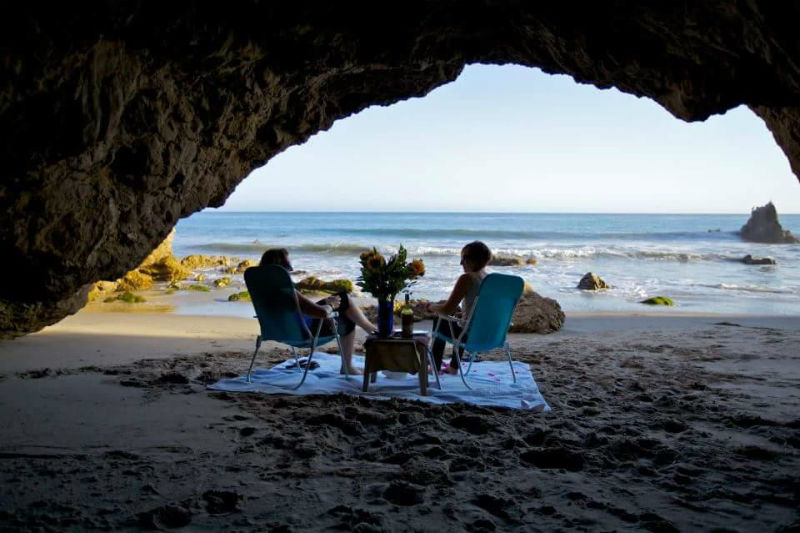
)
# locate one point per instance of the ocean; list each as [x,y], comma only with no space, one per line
[693,259]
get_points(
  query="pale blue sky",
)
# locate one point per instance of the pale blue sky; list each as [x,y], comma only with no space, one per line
[512,138]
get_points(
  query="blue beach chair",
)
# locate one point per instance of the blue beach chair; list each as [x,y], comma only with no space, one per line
[487,324]
[279,316]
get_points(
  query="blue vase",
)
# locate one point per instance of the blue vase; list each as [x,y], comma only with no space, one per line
[385,318]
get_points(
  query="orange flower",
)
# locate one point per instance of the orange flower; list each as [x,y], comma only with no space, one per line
[366,254]
[416,268]
[375,262]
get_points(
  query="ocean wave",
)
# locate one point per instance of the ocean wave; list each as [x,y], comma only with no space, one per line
[489,234]
[259,247]
[747,288]
[550,254]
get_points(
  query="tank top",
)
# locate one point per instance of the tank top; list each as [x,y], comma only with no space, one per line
[472,293]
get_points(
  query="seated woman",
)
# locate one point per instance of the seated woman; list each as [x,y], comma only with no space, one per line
[474,258]
[349,315]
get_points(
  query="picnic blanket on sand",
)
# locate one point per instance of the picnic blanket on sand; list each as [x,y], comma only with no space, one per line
[490,381]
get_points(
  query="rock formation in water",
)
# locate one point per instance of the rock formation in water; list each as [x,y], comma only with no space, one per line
[592,282]
[763,226]
[119,118]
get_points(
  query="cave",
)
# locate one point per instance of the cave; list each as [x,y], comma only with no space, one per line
[120,118]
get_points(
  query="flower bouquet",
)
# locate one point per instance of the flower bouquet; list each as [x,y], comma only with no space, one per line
[385,278]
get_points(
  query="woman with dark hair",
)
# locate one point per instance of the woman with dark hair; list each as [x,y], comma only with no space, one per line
[474,258]
[349,315]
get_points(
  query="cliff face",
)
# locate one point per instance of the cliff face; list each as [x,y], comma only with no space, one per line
[119,118]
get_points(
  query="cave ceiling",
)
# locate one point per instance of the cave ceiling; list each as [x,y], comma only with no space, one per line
[119,118]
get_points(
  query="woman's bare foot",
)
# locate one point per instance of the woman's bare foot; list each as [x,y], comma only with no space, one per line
[452,370]
[353,371]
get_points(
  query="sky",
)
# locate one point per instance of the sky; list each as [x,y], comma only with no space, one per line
[514,139]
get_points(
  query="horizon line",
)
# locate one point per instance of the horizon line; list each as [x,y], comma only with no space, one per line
[427,212]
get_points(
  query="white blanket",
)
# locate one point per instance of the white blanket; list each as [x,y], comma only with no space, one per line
[490,381]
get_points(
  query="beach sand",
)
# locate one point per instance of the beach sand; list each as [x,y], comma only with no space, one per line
[679,423]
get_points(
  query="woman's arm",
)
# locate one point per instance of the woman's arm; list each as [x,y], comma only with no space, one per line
[459,291]
[311,308]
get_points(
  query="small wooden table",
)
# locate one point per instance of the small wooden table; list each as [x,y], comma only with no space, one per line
[397,354]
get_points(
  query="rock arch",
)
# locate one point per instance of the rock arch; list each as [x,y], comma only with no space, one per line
[119,118]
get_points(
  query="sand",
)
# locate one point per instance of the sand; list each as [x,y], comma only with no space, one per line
[679,423]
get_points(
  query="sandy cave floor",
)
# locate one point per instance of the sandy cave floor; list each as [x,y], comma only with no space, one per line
[652,429]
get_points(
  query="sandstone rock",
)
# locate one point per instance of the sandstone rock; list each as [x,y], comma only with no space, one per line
[658,300]
[222,282]
[592,282]
[167,269]
[506,260]
[531,261]
[750,260]
[195,261]
[244,265]
[134,280]
[537,314]
[101,290]
[200,277]
[105,150]
[763,226]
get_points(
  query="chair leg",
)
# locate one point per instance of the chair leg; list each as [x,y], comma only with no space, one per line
[341,357]
[471,359]
[508,354]
[308,364]
[253,360]
[460,367]
[433,366]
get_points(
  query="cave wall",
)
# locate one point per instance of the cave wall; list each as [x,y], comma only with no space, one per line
[119,118]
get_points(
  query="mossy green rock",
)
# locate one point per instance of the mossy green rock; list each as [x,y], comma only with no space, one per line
[127,297]
[243,296]
[658,300]
[314,284]
[222,282]
[198,287]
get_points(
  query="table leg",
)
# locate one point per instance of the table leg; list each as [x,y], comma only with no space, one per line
[365,388]
[423,373]
[374,377]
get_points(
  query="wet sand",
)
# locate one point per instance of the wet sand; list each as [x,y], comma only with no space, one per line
[679,423]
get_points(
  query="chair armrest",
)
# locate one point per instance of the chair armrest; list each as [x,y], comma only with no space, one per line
[459,321]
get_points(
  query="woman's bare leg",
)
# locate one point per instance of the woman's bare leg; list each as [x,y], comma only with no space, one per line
[355,314]
[348,345]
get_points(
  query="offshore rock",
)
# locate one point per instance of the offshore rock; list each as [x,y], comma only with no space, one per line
[120,118]
[506,260]
[763,226]
[750,260]
[592,282]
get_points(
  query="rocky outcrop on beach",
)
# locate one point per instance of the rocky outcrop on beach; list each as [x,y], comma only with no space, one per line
[195,261]
[120,120]
[159,266]
[750,260]
[592,282]
[314,284]
[537,314]
[506,260]
[763,226]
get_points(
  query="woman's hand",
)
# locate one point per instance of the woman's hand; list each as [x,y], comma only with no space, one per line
[334,301]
